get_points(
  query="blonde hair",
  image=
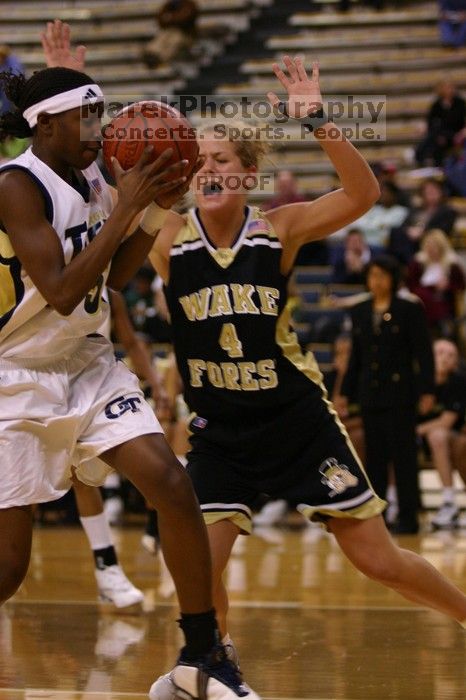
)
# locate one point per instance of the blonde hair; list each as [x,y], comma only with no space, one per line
[247,138]
[448,255]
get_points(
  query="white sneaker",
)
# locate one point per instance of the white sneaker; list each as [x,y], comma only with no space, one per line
[446,517]
[221,682]
[271,513]
[114,587]
[165,689]
[113,509]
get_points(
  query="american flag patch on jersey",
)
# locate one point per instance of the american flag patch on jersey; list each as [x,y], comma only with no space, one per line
[258,226]
[96,185]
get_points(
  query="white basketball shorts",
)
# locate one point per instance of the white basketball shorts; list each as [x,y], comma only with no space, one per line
[66,414]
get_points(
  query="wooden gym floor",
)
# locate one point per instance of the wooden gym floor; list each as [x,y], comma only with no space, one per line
[307,625]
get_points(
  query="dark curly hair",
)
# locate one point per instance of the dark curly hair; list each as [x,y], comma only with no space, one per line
[25,93]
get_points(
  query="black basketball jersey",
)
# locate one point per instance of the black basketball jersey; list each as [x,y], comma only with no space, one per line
[236,353]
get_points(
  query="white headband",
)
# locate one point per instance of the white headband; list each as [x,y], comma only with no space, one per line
[86,94]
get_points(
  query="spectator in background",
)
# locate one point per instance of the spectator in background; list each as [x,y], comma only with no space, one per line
[455,167]
[287,192]
[140,296]
[445,119]
[436,276]
[386,214]
[333,380]
[433,212]
[11,147]
[391,369]
[442,425]
[8,62]
[386,171]
[452,22]
[177,30]
[351,259]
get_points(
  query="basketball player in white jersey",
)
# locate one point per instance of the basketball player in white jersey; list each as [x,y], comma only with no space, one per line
[64,399]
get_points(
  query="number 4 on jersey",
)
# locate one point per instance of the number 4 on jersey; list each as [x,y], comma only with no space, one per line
[229,341]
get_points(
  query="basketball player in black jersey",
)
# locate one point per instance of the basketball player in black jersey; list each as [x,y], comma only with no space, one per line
[261,421]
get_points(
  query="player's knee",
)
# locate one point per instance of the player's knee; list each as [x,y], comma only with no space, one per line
[173,485]
[11,577]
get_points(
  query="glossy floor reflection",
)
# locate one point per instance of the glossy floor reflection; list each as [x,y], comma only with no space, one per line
[306,624]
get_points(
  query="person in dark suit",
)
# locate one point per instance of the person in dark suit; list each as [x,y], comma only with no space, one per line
[446,118]
[390,375]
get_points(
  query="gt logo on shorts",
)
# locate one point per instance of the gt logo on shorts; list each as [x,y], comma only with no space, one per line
[118,406]
[336,476]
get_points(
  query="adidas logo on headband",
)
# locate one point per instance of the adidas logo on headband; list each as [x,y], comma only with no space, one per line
[70,99]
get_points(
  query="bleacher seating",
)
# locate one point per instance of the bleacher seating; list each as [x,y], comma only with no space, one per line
[115,33]
[312,275]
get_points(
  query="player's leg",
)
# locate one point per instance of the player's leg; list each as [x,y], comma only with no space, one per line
[369,546]
[149,463]
[122,430]
[15,548]
[114,587]
[440,447]
[222,536]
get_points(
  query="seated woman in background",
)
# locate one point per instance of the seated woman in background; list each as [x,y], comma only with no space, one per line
[436,276]
[433,212]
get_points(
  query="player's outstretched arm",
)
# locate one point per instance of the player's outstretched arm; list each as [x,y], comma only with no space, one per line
[303,222]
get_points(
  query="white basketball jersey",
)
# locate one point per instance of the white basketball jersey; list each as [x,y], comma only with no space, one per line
[29,328]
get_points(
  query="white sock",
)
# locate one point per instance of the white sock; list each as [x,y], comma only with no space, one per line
[112,481]
[97,531]
[449,494]
[391,495]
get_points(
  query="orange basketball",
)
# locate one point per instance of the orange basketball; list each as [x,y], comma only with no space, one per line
[149,123]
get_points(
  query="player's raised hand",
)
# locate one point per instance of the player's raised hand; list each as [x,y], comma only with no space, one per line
[304,97]
[57,47]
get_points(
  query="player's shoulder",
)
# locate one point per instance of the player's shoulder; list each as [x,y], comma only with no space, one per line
[19,179]
[173,225]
